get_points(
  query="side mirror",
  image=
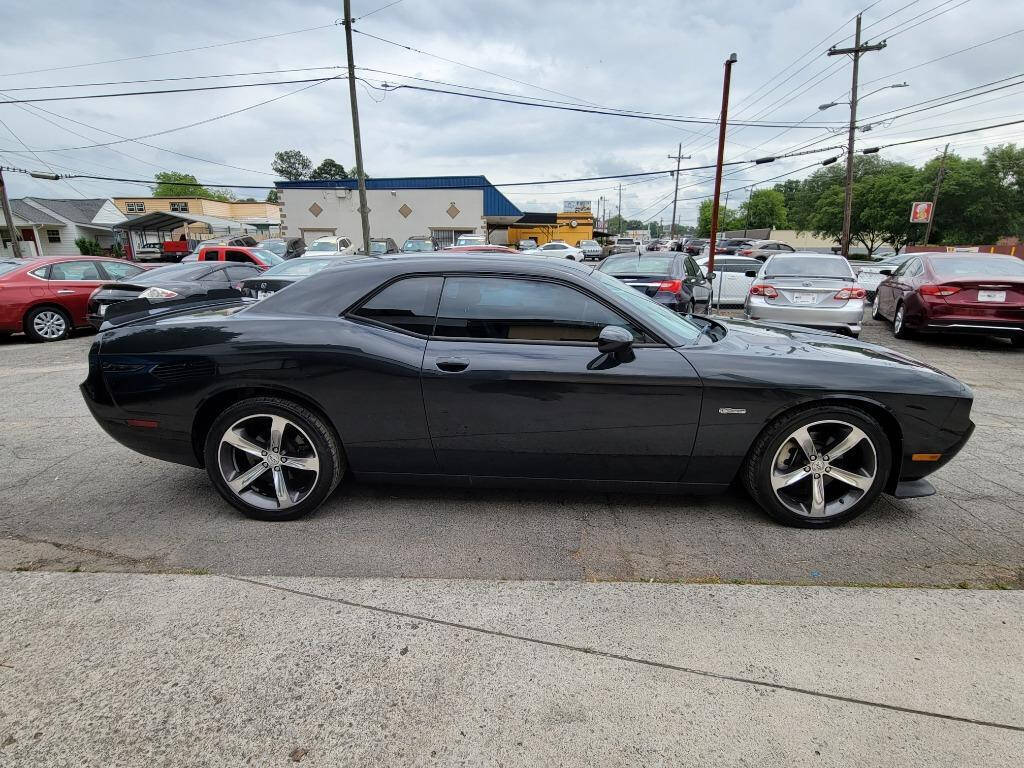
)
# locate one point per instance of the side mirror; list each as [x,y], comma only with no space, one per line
[614,340]
[750,274]
[712,275]
[885,271]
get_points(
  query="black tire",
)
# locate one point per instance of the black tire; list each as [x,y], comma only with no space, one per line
[758,468]
[326,445]
[38,319]
[899,325]
[691,307]
[876,309]
[1017,340]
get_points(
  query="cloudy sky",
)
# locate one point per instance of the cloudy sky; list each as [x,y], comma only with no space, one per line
[661,56]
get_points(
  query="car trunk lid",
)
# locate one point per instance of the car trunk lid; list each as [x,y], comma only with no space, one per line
[809,291]
[646,284]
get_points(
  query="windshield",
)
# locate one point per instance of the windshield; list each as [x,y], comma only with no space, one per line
[174,273]
[470,240]
[417,246]
[657,316]
[978,266]
[323,245]
[267,257]
[298,267]
[625,241]
[378,246]
[632,265]
[588,242]
[277,246]
[808,266]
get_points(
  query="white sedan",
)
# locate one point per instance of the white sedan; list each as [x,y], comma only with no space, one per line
[558,251]
[731,283]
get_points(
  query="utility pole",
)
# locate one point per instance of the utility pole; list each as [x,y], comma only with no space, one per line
[718,169]
[620,209]
[855,51]
[935,194]
[675,196]
[9,219]
[364,210]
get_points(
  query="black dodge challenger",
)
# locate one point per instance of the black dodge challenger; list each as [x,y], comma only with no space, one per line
[522,371]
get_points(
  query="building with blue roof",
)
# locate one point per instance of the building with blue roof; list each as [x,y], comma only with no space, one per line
[402,207]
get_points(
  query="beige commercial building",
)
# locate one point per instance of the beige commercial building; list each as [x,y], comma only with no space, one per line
[266,217]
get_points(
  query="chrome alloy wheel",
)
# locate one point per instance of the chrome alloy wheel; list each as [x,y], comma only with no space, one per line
[897,322]
[824,468]
[268,461]
[49,324]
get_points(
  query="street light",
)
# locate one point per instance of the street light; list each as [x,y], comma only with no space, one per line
[823,107]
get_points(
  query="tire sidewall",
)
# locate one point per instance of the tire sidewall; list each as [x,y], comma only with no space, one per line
[781,431]
[876,308]
[326,448]
[899,322]
[31,332]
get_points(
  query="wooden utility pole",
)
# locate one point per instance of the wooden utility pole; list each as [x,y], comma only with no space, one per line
[718,166]
[364,210]
[855,51]
[935,194]
[620,209]
[9,219]
[675,196]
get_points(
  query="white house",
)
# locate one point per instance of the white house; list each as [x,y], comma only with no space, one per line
[442,206]
[49,227]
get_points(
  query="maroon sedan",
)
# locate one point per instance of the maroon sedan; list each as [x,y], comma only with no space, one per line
[956,292]
[47,298]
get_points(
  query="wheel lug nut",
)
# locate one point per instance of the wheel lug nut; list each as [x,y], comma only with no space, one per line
[807,469]
[814,458]
[263,452]
[828,469]
[265,464]
[817,476]
[825,458]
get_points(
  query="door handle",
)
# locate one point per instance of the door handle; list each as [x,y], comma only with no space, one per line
[63,291]
[452,364]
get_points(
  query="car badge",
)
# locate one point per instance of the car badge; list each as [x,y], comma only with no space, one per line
[263,285]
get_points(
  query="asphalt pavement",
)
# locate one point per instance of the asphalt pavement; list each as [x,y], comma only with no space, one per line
[76,500]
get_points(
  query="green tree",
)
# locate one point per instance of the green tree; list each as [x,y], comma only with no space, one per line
[273,197]
[291,164]
[765,208]
[329,169]
[174,184]
[728,218]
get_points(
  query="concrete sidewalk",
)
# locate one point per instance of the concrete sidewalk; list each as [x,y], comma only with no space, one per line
[151,670]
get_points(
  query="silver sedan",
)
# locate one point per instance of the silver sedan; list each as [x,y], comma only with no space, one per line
[812,289]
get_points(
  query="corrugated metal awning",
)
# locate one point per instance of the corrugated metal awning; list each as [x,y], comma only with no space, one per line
[159,221]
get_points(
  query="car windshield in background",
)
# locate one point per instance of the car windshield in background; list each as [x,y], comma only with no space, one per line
[10,266]
[323,246]
[276,246]
[298,267]
[416,246]
[631,265]
[588,242]
[978,266]
[173,273]
[647,309]
[808,266]
[267,257]
[378,247]
[624,241]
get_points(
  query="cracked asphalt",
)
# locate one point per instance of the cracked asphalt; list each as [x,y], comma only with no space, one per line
[76,500]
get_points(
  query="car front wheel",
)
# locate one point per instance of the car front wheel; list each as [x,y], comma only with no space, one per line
[876,308]
[819,467]
[272,458]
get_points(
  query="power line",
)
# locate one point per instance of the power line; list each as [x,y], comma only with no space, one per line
[190,49]
[377,10]
[170,79]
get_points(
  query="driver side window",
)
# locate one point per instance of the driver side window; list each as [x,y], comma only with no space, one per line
[511,309]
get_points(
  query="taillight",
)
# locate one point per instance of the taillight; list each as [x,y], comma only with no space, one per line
[672,286]
[745,251]
[768,291]
[939,290]
[157,293]
[851,293]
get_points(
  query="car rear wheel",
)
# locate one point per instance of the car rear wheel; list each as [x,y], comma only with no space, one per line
[819,467]
[47,324]
[272,458]
[899,324]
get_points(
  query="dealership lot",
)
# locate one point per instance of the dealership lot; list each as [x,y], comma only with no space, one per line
[76,500]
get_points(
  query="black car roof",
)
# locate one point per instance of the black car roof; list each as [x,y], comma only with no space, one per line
[336,288]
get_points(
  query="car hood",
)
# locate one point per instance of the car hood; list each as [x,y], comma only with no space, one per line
[797,343]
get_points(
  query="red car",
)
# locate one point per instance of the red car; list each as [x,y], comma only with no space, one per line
[957,292]
[47,298]
[258,256]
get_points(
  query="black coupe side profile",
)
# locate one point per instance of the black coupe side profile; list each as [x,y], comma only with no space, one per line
[517,371]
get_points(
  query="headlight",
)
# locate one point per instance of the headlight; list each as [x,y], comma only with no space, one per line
[157,293]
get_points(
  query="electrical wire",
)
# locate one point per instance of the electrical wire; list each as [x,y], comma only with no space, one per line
[190,50]
[377,10]
[171,79]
